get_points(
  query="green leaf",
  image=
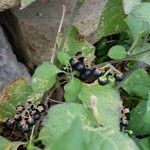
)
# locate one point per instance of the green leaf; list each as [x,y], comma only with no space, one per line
[112,19]
[104,102]
[26,3]
[138,83]
[129,5]
[140,118]
[16,93]
[142,57]
[60,118]
[72,140]
[72,89]
[79,138]
[8,145]
[117,52]
[138,28]
[144,144]
[63,58]
[138,21]
[75,42]
[44,77]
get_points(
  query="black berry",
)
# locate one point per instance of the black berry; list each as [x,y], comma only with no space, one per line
[36,116]
[73,62]
[25,128]
[103,80]
[97,73]
[10,123]
[79,66]
[85,74]
[30,121]
[119,77]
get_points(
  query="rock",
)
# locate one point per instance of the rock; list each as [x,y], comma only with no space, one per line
[6,4]
[10,68]
[39,24]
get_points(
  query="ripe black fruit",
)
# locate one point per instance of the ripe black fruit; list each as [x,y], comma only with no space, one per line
[97,73]
[36,116]
[41,108]
[31,121]
[79,66]
[103,80]
[10,123]
[85,74]
[119,77]
[73,62]
[25,128]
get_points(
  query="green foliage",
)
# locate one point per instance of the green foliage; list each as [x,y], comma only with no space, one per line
[138,84]
[104,102]
[26,3]
[138,21]
[144,144]
[8,145]
[63,58]
[81,138]
[140,118]
[117,52]
[44,77]
[111,20]
[15,94]
[72,88]
[74,42]
[142,57]
[130,5]
[60,118]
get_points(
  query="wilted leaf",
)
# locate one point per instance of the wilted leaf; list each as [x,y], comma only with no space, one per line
[112,19]
[140,118]
[117,52]
[26,3]
[79,138]
[138,83]
[105,103]
[44,77]
[60,118]
[129,5]
[72,88]
[15,94]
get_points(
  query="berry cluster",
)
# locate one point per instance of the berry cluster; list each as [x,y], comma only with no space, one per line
[88,74]
[26,116]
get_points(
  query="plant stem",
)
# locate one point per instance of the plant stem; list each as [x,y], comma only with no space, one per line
[71,20]
[59,30]
[125,59]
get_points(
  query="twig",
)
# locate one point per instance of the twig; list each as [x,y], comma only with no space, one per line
[71,20]
[125,59]
[59,30]
[31,137]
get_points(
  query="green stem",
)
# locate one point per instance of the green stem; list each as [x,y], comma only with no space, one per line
[125,59]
